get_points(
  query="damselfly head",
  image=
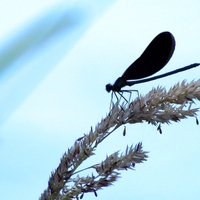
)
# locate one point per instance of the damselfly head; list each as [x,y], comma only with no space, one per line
[109,87]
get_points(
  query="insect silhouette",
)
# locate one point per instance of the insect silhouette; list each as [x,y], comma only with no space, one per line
[154,58]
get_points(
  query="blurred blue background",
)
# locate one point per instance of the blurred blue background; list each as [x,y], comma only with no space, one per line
[56,58]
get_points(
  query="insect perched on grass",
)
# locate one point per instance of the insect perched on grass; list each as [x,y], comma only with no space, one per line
[154,58]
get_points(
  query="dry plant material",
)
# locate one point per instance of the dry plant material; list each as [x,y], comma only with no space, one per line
[157,107]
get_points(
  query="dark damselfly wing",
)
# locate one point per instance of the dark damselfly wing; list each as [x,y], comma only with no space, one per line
[153,59]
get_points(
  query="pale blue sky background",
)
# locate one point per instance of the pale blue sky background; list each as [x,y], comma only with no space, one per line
[56,58]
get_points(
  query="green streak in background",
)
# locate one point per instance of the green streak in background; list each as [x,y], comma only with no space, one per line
[38,33]
[60,27]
